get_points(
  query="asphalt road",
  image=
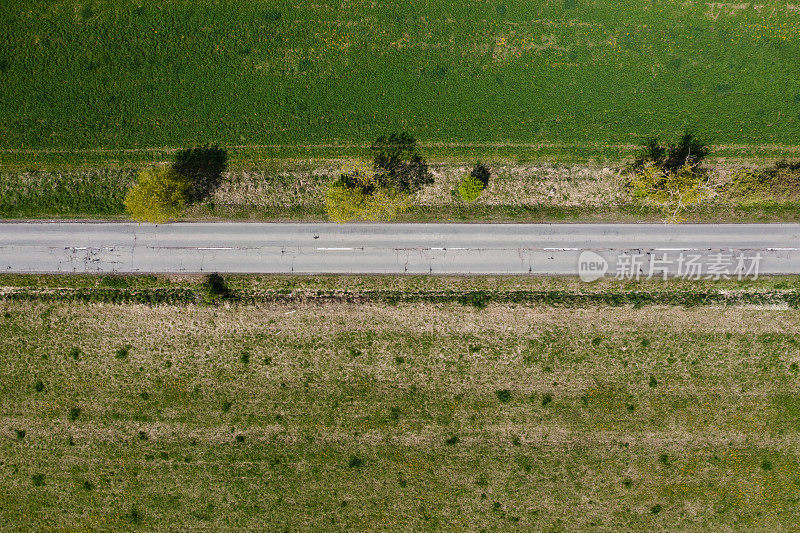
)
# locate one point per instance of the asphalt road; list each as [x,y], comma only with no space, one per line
[398,248]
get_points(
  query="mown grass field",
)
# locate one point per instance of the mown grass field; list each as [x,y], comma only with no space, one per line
[400,417]
[567,75]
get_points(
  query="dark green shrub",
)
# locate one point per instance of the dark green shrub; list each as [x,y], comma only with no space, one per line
[452,440]
[504,395]
[38,480]
[355,462]
[202,168]
[74,413]
[75,353]
[20,433]
[38,386]
[398,164]
[122,351]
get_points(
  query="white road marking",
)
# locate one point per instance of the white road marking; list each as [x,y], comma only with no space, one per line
[216,248]
[334,249]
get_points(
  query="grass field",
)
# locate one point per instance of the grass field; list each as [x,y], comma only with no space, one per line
[415,416]
[566,75]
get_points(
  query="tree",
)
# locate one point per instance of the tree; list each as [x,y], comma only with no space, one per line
[671,191]
[358,195]
[202,168]
[398,164]
[159,195]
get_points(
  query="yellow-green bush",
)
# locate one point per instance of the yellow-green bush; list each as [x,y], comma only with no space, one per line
[470,188]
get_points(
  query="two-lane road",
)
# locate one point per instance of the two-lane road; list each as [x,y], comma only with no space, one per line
[383,248]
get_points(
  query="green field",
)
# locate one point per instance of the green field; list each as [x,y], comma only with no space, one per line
[332,415]
[565,75]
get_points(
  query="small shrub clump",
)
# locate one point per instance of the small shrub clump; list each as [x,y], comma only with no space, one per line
[470,188]
[504,395]
[122,351]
